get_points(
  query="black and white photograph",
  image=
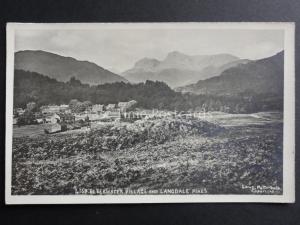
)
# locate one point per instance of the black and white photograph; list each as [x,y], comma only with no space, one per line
[150,112]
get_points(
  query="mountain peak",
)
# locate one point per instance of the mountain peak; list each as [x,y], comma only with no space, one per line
[147,63]
[176,54]
[147,60]
[178,68]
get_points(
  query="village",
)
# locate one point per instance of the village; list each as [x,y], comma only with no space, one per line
[58,118]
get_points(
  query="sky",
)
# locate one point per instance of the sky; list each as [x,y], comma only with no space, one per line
[118,49]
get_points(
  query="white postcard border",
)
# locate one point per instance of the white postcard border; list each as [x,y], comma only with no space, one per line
[288,195]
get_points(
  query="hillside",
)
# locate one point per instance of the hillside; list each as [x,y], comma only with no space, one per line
[31,86]
[63,68]
[260,76]
[179,69]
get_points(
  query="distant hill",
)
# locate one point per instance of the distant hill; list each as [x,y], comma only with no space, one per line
[63,68]
[260,76]
[179,69]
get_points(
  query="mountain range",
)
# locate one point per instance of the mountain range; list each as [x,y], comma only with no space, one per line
[259,76]
[220,74]
[179,69]
[63,68]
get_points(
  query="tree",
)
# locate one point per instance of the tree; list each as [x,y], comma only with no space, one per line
[31,106]
[86,104]
[77,106]
[73,104]
[26,119]
[32,87]
[74,82]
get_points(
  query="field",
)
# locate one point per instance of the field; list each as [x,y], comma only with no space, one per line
[213,155]
[28,130]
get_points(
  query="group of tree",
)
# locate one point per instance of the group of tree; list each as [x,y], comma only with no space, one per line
[34,87]
[78,106]
[28,116]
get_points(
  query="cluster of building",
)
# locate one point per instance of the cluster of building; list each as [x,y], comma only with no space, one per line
[58,114]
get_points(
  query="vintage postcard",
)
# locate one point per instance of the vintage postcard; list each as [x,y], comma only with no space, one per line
[150,113]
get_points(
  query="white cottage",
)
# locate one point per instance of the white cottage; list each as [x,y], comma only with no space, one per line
[54,118]
[97,108]
[126,105]
[110,106]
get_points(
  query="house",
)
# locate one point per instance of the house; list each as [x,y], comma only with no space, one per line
[19,111]
[50,109]
[66,117]
[86,128]
[97,108]
[87,111]
[68,111]
[110,106]
[38,115]
[113,114]
[15,121]
[54,118]
[89,116]
[81,116]
[126,105]
[53,128]
[94,117]
[39,120]
[64,108]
